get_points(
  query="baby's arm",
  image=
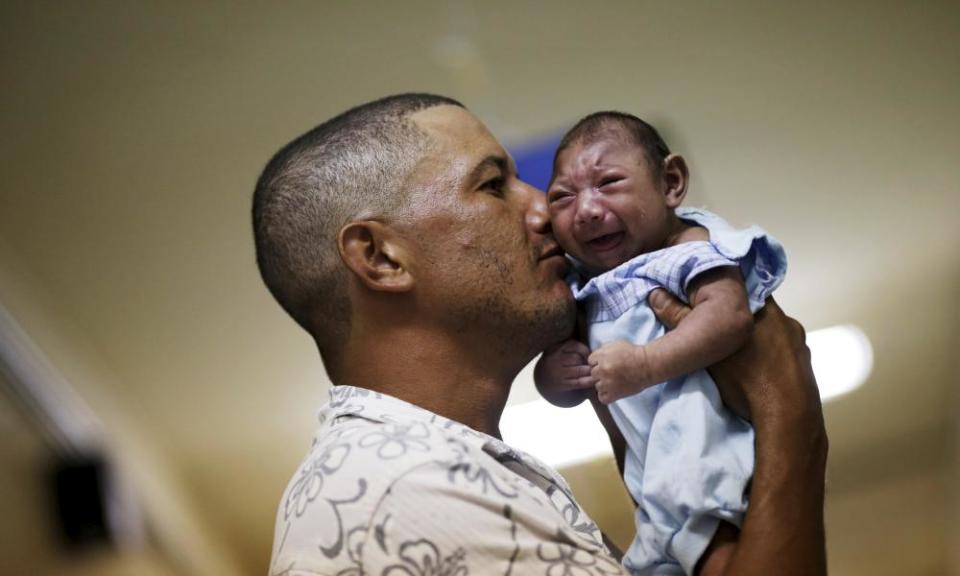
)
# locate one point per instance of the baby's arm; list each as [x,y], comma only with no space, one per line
[719,323]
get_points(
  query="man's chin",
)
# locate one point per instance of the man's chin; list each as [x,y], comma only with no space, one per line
[559,322]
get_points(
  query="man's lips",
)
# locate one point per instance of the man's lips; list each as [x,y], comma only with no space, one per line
[554,257]
[551,251]
[606,242]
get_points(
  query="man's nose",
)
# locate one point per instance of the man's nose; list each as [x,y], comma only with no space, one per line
[537,216]
[589,209]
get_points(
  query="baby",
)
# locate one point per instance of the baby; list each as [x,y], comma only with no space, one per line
[614,200]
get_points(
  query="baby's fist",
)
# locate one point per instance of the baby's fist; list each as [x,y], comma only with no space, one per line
[620,369]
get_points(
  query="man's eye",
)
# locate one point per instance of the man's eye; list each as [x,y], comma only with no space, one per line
[494,185]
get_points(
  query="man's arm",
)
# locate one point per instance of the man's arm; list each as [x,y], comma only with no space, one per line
[770,381]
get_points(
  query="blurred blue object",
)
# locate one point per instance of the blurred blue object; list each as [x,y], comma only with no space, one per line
[535,159]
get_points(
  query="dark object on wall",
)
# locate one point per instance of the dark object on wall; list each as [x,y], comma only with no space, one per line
[80,487]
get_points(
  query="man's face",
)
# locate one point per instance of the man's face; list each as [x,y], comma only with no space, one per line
[605,205]
[486,253]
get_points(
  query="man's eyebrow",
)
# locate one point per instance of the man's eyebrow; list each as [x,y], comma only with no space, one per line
[492,161]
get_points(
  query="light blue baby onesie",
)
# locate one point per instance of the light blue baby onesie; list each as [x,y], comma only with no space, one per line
[689,460]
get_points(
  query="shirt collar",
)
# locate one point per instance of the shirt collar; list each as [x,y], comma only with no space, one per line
[346,401]
[353,401]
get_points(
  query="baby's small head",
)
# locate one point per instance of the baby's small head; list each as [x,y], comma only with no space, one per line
[614,188]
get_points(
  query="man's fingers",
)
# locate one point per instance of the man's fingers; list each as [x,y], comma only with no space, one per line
[576,347]
[578,371]
[668,309]
[585,382]
[573,360]
[568,345]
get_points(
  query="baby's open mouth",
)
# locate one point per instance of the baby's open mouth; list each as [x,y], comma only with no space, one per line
[606,242]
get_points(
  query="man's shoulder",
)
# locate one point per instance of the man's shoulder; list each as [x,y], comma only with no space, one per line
[374,453]
[372,491]
[351,467]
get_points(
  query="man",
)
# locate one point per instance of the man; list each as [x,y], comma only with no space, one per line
[399,236]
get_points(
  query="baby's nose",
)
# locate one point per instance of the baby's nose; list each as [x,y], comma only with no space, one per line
[588,209]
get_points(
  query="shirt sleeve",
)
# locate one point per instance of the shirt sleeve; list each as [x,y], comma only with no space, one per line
[680,265]
[761,257]
[457,519]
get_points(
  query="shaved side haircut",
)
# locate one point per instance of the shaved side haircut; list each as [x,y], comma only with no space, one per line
[351,166]
[593,126]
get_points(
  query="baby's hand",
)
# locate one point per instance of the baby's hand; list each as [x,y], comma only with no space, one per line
[620,369]
[563,375]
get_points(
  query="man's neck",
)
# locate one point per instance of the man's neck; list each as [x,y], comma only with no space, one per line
[432,372]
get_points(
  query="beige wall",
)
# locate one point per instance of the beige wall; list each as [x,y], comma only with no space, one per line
[953,478]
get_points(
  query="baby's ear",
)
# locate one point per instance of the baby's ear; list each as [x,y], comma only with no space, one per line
[676,178]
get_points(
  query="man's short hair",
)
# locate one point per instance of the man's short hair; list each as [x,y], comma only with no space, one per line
[353,165]
[598,124]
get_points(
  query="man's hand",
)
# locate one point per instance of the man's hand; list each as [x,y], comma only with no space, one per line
[771,382]
[771,374]
[563,375]
[620,369]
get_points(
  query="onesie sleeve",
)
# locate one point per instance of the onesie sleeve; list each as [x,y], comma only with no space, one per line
[678,266]
[611,294]
[761,257]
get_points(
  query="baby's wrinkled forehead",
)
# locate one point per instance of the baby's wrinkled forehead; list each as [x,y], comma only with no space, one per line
[615,129]
[572,151]
[609,129]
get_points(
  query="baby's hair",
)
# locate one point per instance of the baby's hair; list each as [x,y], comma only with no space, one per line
[592,126]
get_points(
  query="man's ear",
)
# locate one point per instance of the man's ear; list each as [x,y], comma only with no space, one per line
[376,255]
[676,178]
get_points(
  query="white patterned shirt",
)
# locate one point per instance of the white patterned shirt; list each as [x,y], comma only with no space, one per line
[391,489]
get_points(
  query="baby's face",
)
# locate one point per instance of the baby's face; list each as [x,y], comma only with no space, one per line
[605,205]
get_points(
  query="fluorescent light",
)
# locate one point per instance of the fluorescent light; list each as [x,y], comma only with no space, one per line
[842,359]
[63,417]
[558,436]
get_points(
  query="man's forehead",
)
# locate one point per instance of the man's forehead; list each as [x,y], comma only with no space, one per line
[456,130]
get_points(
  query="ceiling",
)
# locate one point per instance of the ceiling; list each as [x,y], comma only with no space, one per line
[133,133]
